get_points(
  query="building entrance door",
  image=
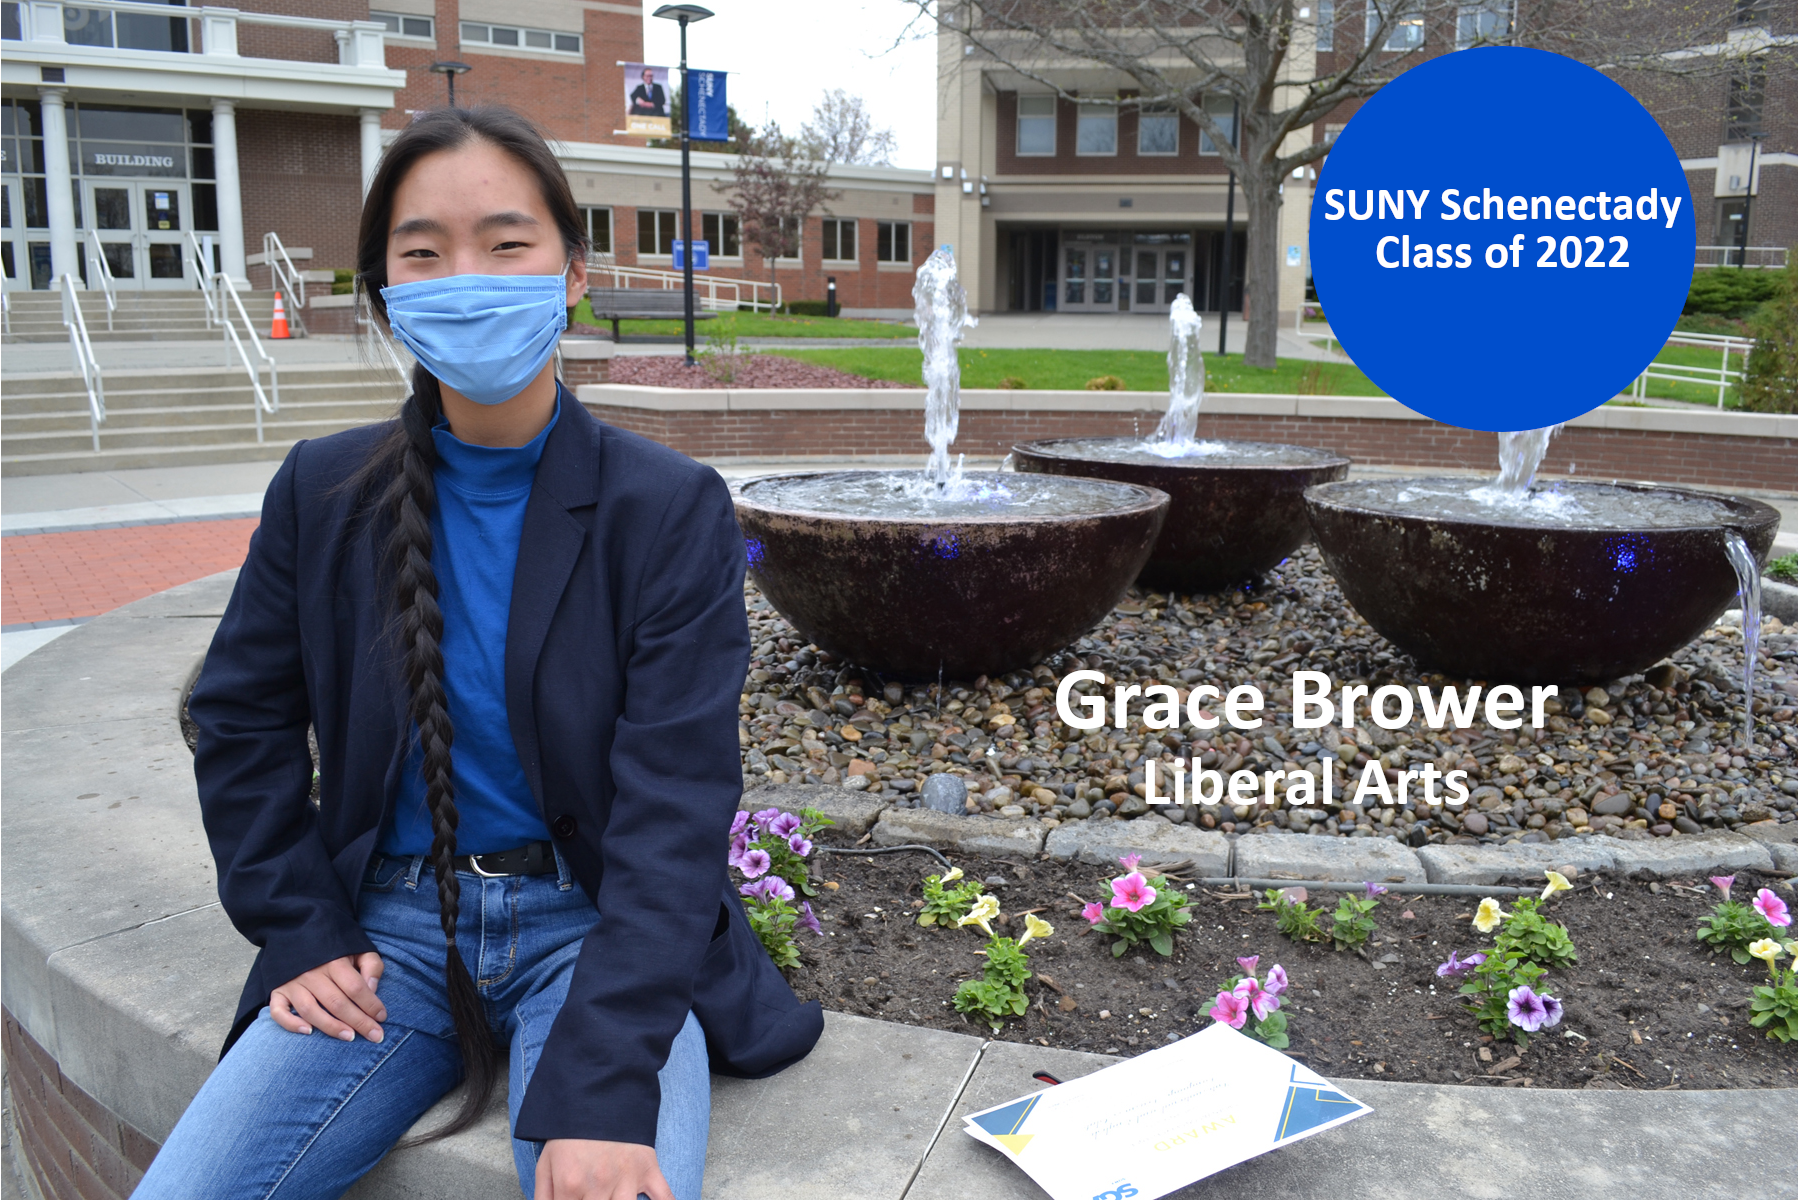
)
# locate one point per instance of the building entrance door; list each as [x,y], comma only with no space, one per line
[1159,274]
[1090,277]
[141,223]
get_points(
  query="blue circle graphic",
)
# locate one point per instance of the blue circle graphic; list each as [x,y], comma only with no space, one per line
[1502,238]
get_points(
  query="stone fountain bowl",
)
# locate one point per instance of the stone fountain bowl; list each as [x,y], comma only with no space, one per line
[964,595]
[1499,598]
[1232,516]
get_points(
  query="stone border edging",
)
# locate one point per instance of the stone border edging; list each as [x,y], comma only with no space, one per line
[122,974]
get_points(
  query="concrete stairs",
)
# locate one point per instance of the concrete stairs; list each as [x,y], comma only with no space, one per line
[140,317]
[166,418]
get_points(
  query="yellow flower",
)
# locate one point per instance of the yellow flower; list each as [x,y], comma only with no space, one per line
[1557,884]
[985,909]
[1035,927]
[1488,915]
[1767,949]
[951,876]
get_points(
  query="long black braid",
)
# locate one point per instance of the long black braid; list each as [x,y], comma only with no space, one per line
[398,476]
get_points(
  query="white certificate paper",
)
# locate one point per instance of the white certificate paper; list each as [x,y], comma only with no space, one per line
[1153,1124]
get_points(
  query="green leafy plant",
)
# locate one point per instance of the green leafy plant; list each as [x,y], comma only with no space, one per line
[1770,374]
[1351,924]
[1534,939]
[1144,909]
[1106,383]
[1774,1007]
[776,843]
[769,904]
[722,359]
[1255,1007]
[946,906]
[1731,293]
[1000,992]
[1011,383]
[1293,916]
[1785,569]
[1732,928]
[1491,989]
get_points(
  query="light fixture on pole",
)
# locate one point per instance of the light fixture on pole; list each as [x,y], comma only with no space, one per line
[450,70]
[686,13]
[1749,191]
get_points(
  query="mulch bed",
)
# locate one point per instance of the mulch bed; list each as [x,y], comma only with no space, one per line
[744,370]
[1653,1008]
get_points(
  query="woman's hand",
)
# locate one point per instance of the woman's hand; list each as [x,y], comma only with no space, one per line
[338,999]
[570,1169]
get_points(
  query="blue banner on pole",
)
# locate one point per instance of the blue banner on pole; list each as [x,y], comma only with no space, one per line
[706,107]
[702,256]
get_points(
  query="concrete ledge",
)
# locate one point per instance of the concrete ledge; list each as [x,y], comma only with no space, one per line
[1779,841]
[850,812]
[1105,842]
[1521,862]
[1348,860]
[1689,857]
[1010,837]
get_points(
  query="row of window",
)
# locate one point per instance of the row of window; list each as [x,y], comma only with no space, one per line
[530,39]
[1097,128]
[1485,20]
[657,234]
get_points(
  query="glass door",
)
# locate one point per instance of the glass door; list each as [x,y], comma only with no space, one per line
[1090,280]
[164,206]
[109,208]
[141,224]
[1160,275]
[12,241]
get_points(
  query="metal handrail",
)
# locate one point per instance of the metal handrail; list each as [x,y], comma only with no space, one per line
[6,311]
[263,401]
[1723,375]
[707,288]
[85,363]
[203,277]
[285,277]
[1774,258]
[106,277]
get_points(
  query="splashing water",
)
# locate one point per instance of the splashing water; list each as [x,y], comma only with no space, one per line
[941,308]
[1520,454]
[1174,436]
[1749,573]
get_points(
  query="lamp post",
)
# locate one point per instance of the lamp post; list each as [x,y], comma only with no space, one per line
[685,13]
[1230,228]
[1749,190]
[450,70]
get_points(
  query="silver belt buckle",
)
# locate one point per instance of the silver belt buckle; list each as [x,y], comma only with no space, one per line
[475,865]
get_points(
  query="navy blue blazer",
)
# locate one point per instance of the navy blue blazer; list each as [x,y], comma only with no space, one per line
[626,649]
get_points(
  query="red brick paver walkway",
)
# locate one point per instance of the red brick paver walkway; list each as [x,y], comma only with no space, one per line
[57,576]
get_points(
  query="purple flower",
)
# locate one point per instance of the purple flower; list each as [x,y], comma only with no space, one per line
[753,863]
[799,845]
[808,919]
[1451,967]
[1260,1001]
[1525,1008]
[1772,907]
[1248,965]
[1374,889]
[773,887]
[1277,981]
[1723,883]
[735,857]
[738,822]
[1553,1011]
[1094,912]
[1130,861]
[763,818]
[784,826]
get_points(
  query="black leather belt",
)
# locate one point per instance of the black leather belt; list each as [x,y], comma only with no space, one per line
[536,858]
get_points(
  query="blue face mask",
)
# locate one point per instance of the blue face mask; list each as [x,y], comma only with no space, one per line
[486,336]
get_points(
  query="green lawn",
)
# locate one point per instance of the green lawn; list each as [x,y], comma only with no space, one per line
[757,325]
[1070,370]
[1693,393]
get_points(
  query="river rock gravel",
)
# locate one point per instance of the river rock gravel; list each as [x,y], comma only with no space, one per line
[1653,755]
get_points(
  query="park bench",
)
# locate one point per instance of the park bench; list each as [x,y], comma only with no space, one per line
[640,304]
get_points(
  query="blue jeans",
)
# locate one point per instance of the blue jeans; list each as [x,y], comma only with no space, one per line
[300,1116]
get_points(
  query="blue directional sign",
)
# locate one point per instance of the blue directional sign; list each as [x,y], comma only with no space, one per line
[702,256]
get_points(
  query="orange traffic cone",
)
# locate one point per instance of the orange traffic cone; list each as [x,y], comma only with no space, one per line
[279,328]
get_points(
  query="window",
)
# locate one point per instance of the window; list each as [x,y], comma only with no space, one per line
[720,232]
[1037,124]
[1489,21]
[893,241]
[1158,130]
[1744,103]
[531,39]
[599,229]
[405,24]
[1749,12]
[1219,109]
[656,230]
[839,238]
[1097,129]
[1407,34]
[1327,22]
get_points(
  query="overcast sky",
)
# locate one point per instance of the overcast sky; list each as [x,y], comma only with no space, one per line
[784,54]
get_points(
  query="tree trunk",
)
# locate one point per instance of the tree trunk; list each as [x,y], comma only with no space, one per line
[1262,267]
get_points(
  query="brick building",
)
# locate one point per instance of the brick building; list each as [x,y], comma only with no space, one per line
[188,135]
[1098,204]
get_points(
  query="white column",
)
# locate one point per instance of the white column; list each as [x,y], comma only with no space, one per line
[231,198]
[371,144]
[59,184]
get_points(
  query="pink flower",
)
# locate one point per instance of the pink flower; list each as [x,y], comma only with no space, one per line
[799,845]
[738,822]
[1261,1002]
[1723,883]
[1094,912]
[1131,893]
[1277,981]
[1229,1009]
[1771,906]
[1130,861]
[753,863]
[1248,965]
